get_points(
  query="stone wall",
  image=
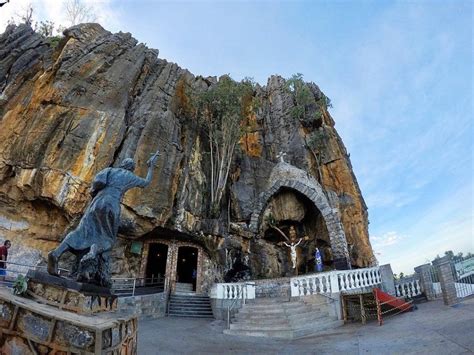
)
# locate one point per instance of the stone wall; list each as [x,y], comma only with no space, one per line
[273,288]
[220,307]
[144,306]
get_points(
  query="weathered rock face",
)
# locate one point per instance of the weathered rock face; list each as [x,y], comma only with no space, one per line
[69,111]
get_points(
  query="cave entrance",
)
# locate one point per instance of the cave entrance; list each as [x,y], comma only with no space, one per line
[156,263]
[187,265]
[293,228]
[181,261]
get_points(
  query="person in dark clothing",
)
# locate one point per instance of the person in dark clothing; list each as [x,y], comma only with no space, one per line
[3,258]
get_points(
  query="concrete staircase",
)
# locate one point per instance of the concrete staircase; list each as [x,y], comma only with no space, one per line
[185,305]
[277,318]
[184,288]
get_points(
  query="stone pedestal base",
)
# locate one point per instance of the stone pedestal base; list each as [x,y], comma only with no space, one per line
[68,294]
[30,327]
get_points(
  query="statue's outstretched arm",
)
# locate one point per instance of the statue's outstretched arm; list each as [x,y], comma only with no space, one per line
[151,165]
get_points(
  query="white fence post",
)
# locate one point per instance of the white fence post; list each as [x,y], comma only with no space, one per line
[232,291]
[409,289]
[334,277]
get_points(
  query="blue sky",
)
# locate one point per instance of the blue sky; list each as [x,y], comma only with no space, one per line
[399,75]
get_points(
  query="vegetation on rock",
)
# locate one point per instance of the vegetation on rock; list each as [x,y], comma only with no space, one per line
[222,109]
[308,107]
[20,285]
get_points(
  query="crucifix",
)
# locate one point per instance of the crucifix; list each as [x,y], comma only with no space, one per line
[281,156]
[292,247]
[292,244]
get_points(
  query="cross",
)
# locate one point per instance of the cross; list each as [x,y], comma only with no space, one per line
[280,156]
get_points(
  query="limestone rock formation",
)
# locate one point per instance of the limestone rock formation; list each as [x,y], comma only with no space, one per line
[70,110]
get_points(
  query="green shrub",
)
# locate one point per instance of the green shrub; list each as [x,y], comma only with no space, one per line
[20,285]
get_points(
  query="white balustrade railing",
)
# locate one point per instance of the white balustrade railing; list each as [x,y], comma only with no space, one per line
[408,289]
[232,291]
[359,278]
[464,289]
[335,281]
[322,283]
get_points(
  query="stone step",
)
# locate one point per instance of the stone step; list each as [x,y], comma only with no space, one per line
[185,293]
[207,316]
[287,305]
[275,317]
[256,322]
[291,319]
[191,305]
[279,326]
[308,317]
[190,301]
[269,300]
[283,310]
[317,328]
[191,311]
[174,306]
[191,314]
[275,311]
[288,333]
[288,322]
[184,287]
[281,318]
[191,295]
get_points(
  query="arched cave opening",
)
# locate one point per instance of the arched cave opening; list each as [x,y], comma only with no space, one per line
[290,218]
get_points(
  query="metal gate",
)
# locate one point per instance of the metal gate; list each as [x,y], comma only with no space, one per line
[463,272]
[435,281]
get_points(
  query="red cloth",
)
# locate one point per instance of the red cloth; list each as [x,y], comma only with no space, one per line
[3,252]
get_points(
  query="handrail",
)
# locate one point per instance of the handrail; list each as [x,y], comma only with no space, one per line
[31,266]
[244,294]
[121,283]
[229,310]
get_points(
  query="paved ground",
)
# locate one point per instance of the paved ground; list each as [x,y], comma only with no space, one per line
[432,329]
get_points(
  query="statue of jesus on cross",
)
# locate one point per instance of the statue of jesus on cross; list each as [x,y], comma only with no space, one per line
[292,247]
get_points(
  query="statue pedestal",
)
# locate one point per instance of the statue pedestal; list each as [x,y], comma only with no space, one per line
[61,316]
[69,295]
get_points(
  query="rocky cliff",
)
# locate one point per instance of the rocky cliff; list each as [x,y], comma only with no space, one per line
[70,109]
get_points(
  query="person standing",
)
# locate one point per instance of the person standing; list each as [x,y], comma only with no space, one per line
[3,258]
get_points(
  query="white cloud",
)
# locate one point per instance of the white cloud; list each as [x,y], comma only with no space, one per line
[455,235]
[385,240]
[446,225]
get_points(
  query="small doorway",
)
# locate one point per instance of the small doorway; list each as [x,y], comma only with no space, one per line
[187,266]
[156,264]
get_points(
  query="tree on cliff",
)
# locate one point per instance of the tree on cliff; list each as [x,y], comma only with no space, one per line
[223,108]
[310,106]
[78,12]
